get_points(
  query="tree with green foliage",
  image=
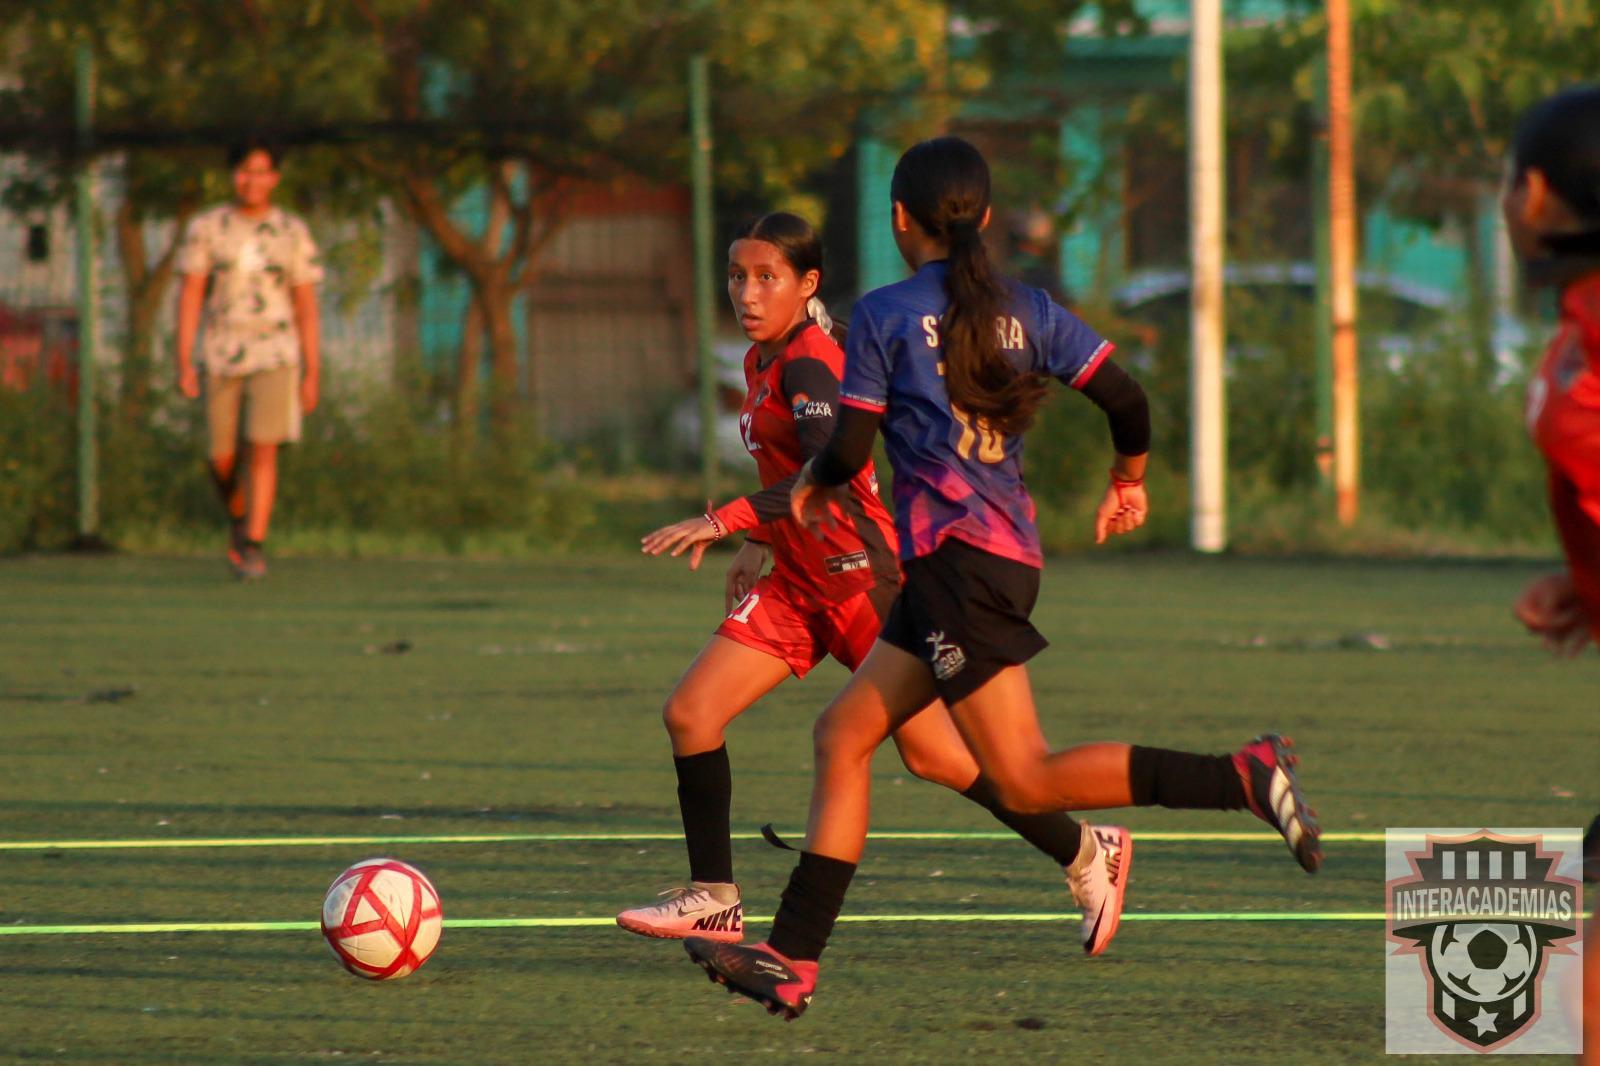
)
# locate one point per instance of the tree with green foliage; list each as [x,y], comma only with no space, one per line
[174,82]
[519,102]
[529,101]
[1436,88]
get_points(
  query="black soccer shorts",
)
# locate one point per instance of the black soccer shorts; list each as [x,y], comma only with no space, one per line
[964,612]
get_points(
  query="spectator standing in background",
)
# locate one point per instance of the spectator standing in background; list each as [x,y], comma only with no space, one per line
[249,295]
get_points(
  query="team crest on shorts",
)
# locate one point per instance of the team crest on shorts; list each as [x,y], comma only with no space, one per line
[1485,914]
[947,657]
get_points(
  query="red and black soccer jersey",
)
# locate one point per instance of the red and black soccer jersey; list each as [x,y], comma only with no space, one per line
[1564,418]
[787,417]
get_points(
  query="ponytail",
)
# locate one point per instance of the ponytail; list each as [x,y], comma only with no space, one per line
[978,375]
[944,185]
[817,311]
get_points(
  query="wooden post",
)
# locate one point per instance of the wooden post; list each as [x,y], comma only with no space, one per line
[1342,257]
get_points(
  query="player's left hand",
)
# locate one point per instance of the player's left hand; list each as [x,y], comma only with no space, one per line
[308,393]
[743,573]
[692,535]
[1122,509]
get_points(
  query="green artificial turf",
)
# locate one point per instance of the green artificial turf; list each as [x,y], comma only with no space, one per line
[145,699]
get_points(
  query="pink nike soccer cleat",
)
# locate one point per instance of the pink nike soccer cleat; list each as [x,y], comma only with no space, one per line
[1102,884]
[689,911]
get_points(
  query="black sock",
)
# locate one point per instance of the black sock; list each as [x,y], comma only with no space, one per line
[810,906]
[1055,834]
[225,485]
[705,792]
[1159,777]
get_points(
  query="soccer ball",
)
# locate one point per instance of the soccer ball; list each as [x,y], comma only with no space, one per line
[382,919]
[1484,962]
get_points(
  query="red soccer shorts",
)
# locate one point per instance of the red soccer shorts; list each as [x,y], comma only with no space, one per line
[786,623]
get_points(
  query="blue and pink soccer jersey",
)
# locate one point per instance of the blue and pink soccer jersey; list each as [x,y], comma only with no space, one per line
[954,476]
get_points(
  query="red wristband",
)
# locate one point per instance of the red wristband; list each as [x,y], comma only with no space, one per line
[1120,483]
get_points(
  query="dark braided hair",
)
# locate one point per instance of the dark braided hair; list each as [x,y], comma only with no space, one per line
[944,184]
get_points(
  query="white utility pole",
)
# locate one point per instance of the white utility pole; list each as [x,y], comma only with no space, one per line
[1208,432]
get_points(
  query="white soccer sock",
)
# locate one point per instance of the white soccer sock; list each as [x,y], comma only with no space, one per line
[724,892]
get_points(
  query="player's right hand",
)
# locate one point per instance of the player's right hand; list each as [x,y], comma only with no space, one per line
[692,535]
[1123,509]
[1551,609]
[189,381]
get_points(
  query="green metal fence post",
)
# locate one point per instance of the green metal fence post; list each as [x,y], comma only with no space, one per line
[88,304]
[700,135]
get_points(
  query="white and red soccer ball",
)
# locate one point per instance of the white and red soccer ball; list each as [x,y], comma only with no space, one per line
[382,919]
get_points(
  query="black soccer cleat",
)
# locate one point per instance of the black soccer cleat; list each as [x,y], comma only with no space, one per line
[1266,766]
[755,971]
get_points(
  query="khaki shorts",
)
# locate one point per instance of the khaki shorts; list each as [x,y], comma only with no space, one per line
[271,402]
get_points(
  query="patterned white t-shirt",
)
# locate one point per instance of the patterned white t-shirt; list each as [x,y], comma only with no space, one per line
[253,263]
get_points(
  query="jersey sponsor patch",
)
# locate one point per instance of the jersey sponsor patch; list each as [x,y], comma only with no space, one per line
[846,564]
[804,407]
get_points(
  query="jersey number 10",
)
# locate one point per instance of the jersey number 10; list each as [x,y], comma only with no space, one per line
[991,443]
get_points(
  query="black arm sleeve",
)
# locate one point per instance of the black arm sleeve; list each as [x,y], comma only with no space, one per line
[1127,410]
[813,395]
[848,449]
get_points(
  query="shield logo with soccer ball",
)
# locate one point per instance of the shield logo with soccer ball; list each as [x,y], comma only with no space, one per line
[1488,964]
[1482,911]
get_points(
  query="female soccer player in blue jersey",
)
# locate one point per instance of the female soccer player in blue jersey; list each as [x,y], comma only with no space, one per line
[822,596]
[951,364]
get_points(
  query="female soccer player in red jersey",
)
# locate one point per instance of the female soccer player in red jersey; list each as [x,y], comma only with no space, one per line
[823,596]
[951,362]
[1552,210]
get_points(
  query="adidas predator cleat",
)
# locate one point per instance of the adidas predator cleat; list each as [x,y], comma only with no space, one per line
[1266,766]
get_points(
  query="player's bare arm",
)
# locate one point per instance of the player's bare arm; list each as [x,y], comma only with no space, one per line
[1124,506]
[191,298]
[308,325]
